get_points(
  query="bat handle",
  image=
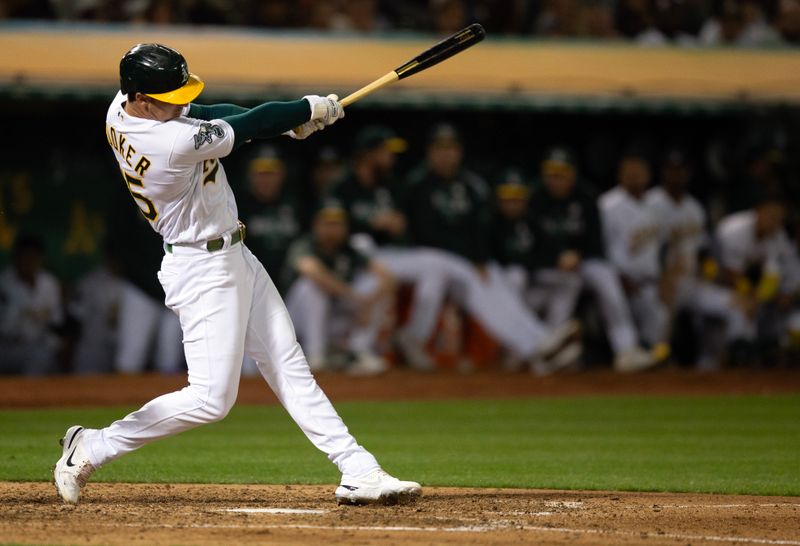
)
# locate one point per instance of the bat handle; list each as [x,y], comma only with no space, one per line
[383,81]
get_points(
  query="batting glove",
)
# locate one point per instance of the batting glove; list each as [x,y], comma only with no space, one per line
[305,130]
[325,109]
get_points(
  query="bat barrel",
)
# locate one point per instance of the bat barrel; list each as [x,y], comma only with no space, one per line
[452,45]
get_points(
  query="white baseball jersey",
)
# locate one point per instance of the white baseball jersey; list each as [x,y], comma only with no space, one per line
[739,247]
[632,234]
[173,172]
[682,224]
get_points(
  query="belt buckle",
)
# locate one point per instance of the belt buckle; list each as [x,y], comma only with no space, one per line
[242,230]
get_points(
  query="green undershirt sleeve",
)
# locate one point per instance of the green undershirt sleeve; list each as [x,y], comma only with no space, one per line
[208,112]
[268,120]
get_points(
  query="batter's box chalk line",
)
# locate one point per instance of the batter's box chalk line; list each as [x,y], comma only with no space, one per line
[312,511]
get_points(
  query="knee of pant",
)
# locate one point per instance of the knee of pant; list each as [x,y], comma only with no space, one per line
[213,406]
[218,408]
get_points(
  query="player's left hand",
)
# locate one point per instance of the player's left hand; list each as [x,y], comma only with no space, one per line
[305,130]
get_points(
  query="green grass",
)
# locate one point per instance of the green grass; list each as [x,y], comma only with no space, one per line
[743,444]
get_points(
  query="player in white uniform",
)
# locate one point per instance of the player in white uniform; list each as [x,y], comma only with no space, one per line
[227,304]
[632,236]
[683,221]
[760,261]
[30,306]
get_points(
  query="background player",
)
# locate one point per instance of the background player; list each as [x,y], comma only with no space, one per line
[451,207]
[335,289]
[632,237]
[271,210]
[569,253]
[760,262]
[228,306]
[682,221]
[30,312]
[368,191]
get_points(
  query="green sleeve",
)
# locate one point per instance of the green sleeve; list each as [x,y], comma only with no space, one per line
[208,112]
[268,120]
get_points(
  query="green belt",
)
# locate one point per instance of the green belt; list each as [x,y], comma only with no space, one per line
[217,244]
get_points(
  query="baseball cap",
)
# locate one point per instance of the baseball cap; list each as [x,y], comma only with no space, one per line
[512,186]
[444,133]
[267,160]
[374,136]
[330,208]
[559,160]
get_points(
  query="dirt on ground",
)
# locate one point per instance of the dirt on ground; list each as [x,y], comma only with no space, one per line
[125,514]
[106,390]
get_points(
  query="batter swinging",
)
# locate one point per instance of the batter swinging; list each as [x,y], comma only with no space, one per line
[169,152]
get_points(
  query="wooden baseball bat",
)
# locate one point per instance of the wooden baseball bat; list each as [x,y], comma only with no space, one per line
[452,45]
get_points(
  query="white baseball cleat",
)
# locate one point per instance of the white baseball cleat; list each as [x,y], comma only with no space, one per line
[377,487]
[73,468]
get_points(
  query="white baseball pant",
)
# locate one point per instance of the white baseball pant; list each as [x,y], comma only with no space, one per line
[145,327]
[426,269]
[652,316]
[708,299]
[228,306]
[556,292]
[493,303]
[142,327]
[318,316]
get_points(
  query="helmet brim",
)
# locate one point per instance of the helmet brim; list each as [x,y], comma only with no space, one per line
[184,94]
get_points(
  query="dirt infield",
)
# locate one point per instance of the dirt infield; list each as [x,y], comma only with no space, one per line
[403,385]
[123,514]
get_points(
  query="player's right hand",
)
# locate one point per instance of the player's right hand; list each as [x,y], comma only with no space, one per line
[328,109]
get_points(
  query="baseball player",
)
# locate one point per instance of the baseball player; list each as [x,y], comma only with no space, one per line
[682,220]
[512,244]
[759,260]
[121,326]
[169,152]
[632,237]
[569,254]
[451,208]
[30,311]
[368,192]
[333,288]
[514,249]
[272,212]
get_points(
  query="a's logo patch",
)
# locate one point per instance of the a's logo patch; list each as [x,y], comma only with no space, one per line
[206,134]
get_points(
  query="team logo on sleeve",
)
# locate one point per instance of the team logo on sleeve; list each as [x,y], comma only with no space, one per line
[206,134]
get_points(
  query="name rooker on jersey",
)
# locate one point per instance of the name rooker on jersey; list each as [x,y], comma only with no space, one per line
[118,142]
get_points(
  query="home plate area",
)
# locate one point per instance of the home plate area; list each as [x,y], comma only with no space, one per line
[300,514]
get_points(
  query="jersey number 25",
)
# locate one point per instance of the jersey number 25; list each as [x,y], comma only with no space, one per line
[149,210]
